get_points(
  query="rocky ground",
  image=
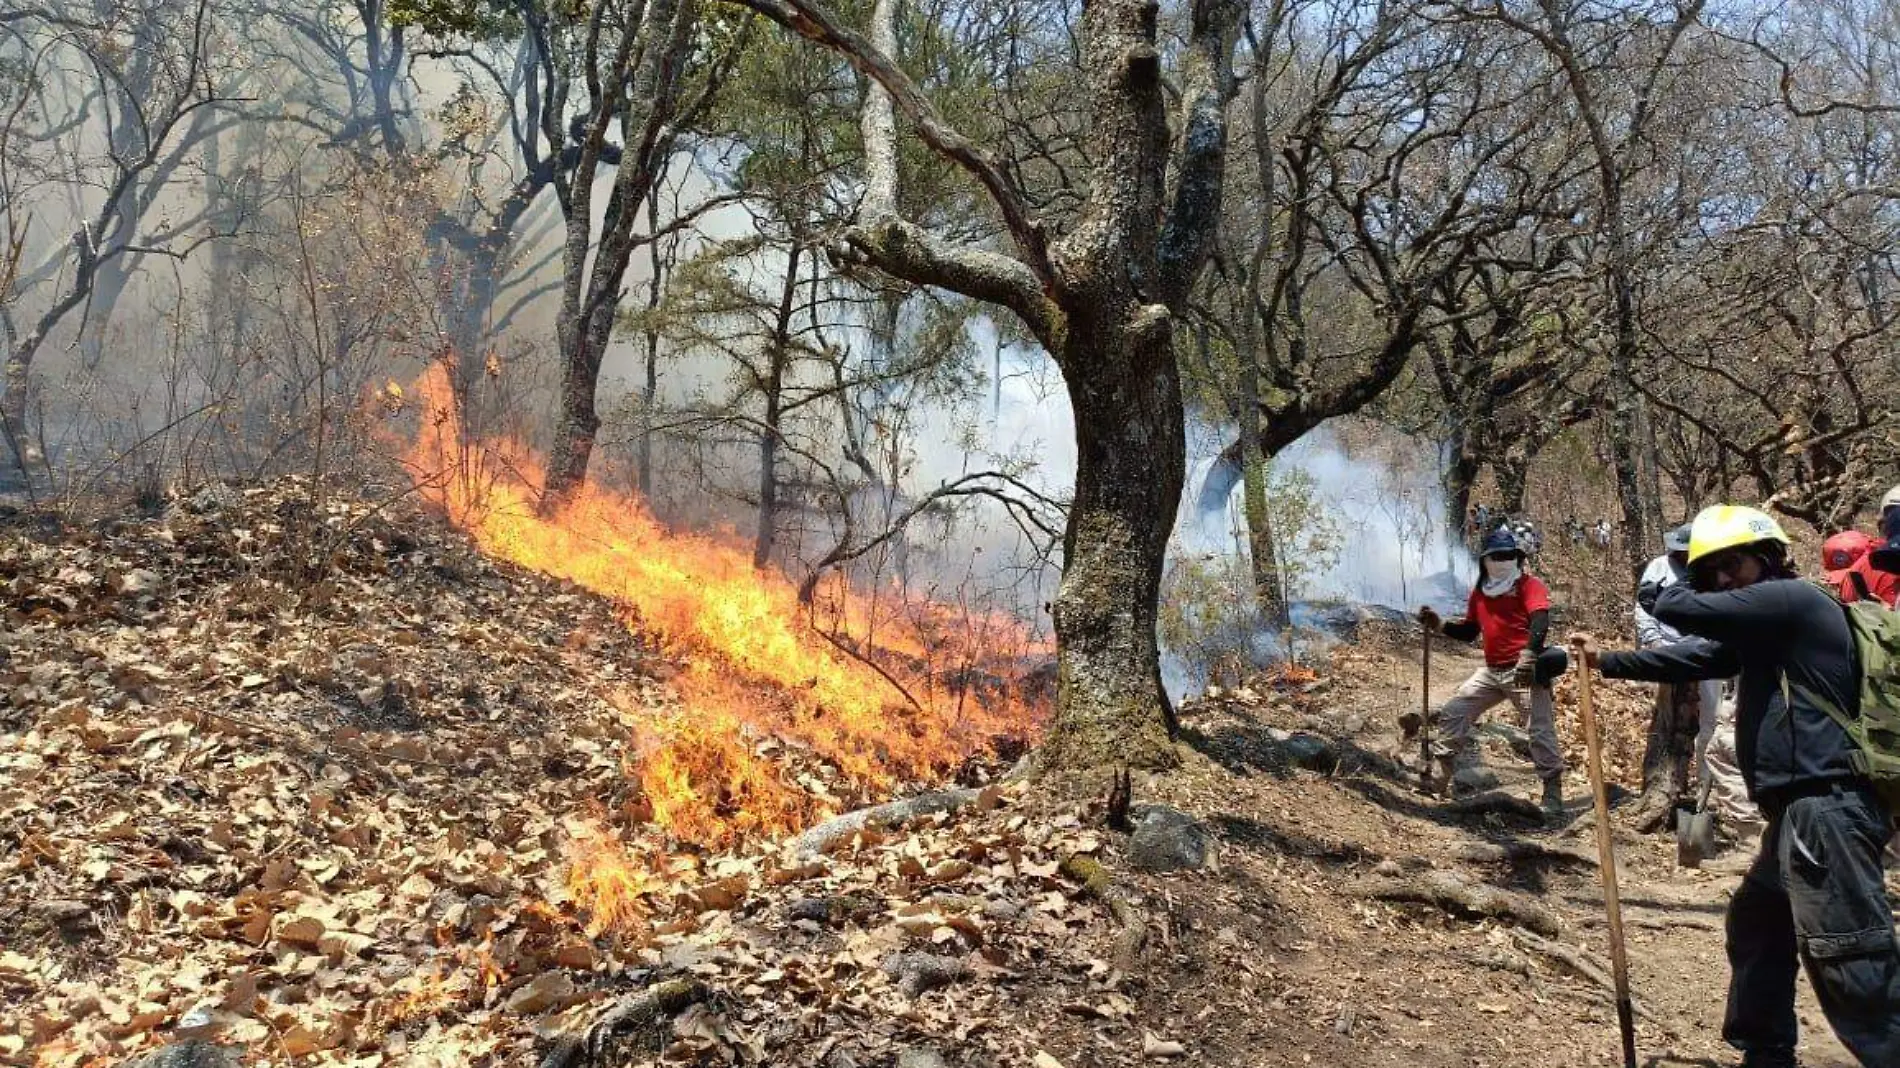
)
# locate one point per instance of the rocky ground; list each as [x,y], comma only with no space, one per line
[315,782]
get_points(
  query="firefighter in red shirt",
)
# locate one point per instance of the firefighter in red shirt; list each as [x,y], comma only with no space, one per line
[1510,611]
[1873,576]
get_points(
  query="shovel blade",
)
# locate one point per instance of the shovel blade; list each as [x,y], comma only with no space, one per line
[1695,838]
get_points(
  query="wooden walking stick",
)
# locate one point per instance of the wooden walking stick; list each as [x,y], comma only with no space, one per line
[1606,853]
[1425,715]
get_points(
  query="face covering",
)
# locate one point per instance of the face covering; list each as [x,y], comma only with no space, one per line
[1499,576]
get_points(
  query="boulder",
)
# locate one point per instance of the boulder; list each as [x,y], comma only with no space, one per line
[1167,839]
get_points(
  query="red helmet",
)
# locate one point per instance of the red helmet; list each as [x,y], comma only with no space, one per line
[1839,552]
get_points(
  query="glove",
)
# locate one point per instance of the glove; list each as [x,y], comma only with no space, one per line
[1428,617]
[1525,673]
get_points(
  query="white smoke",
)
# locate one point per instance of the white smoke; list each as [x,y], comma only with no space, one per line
[1382,511]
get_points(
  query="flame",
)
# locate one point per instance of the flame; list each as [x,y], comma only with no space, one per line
[606,880]
[760,664]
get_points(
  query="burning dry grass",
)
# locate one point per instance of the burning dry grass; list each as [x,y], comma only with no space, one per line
[758,666]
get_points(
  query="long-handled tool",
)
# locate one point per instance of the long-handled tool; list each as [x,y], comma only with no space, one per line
[1695,831]
[1606,853]
[1425,715]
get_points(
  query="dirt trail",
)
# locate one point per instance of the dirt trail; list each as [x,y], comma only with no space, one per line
[1402,984]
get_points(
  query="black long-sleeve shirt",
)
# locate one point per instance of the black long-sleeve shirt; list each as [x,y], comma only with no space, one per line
[1763,631]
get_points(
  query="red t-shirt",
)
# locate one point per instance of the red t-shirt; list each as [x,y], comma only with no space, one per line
[1505,620]
[1884,585]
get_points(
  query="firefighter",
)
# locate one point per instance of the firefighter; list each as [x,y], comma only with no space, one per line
[1814,895]
[1715,718]
[1509,610]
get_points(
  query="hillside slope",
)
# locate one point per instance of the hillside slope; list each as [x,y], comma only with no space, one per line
[325,784]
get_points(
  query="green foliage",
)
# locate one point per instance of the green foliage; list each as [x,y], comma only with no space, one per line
[1308,537]
[472,20]
[1208,613]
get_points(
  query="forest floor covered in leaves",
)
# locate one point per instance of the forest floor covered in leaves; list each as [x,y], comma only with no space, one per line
[317,780]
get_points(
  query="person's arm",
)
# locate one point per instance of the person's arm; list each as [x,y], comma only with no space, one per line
[1753,614]
[1689,660]
[1464,630]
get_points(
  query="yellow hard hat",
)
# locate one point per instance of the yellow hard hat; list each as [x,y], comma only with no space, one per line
[1727,525]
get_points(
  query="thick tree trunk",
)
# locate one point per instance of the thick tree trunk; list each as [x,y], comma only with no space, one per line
[1461,470]
[1666,756]
[1130,465]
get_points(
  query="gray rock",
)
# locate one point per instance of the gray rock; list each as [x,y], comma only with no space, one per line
[1312,753]
[1167,839]
[212,497]
[915,973]
[1474,778]
[921,1057]
[1513,737]
[192,1054]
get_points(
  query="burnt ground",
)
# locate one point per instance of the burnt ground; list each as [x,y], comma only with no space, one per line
[337,808]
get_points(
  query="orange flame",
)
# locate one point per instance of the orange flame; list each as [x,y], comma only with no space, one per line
[758,667]
[606,881]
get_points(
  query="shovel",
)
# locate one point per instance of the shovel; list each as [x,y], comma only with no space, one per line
[1695,831]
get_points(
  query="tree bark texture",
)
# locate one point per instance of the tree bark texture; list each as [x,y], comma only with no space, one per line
[636,90]
[1130,440]
[1666,755]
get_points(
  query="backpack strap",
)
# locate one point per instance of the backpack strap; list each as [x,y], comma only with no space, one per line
[1860,586]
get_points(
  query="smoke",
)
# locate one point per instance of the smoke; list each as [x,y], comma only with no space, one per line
[1377,543]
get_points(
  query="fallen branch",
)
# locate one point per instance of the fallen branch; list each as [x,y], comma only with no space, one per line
[1448,891]
[634,1012]
[828,835]
[1097,884]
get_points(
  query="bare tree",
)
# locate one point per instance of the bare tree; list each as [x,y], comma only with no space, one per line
[1102,296]
[78,86]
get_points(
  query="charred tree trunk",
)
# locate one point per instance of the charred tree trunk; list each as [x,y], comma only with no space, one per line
[1131,463]
[1666,755]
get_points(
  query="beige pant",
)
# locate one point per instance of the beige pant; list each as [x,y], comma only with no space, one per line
[1487,687]
[1715,745]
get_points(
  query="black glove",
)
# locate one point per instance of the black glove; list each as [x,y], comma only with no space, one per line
[1551,663]
[1525,672]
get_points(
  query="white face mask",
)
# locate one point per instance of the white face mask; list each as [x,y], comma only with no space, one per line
[1499,576]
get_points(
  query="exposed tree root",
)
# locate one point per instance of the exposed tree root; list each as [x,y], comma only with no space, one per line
[1519,849]
[1578,961]
[1128,916]
[1461,897]
[633,1013]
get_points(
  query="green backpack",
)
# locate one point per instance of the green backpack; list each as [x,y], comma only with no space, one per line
[1876,731]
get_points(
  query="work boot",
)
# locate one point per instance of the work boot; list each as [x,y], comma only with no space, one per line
[1555,814]
[1770,1058]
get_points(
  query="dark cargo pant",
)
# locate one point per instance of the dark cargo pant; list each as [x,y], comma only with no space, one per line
[1815,896]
